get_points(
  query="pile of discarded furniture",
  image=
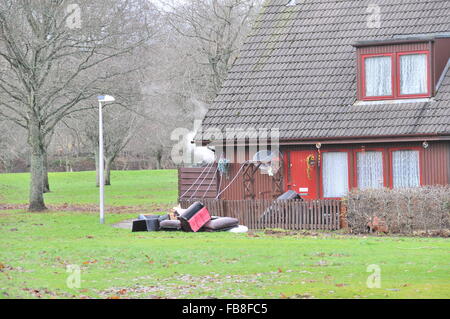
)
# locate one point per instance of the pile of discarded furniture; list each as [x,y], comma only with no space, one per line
[193,219]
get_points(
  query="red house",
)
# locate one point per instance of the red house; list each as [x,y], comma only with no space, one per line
[359,93]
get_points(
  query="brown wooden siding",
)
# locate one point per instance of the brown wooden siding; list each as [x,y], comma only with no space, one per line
[435,164]
[205,185]
[441,56]
[263,185]
[202,189]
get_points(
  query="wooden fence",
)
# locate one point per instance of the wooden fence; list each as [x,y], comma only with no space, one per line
[285,214]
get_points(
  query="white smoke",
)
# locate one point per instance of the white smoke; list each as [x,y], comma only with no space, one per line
[201,154]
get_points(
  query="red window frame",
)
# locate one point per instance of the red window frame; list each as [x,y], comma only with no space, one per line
[383,160]
[395,74]
[391,168]
[410,96]
[322,193]
[363,77]
[352,164]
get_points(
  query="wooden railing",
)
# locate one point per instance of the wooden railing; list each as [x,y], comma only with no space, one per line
[285,214]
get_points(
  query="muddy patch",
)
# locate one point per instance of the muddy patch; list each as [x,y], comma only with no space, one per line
[90,208]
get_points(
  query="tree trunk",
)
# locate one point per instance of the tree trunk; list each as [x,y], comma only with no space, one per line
[45,172]
[36,168]
[108,164]
[159,155]
[107,172]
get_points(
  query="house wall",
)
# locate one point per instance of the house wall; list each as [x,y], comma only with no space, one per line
[434,165]
[441,56]
[263,185]
[434,161]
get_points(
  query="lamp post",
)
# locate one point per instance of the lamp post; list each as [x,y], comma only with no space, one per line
[102,98]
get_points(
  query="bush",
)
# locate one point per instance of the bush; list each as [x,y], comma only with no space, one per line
[403,211]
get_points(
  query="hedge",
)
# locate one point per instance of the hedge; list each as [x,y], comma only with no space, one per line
[403,211]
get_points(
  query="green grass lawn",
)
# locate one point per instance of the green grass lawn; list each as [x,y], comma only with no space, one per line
[36,249]
[129,188]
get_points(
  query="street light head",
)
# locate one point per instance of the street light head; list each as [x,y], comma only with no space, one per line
[106,98]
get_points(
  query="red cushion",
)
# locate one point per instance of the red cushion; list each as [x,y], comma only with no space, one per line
[198,220]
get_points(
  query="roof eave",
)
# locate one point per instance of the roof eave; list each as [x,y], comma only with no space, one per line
[368,139]
[351,139]
[369,43]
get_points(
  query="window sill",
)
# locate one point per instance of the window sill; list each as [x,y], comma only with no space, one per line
[399,101]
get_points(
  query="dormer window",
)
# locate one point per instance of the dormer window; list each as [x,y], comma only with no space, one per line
[413,73]
[377,72]
[400,69]
[396,75]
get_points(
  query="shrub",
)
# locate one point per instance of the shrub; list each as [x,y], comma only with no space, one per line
[404,211]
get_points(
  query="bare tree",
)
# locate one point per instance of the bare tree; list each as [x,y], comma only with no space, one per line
[216,29]
[189,56]
[120,125]
[66,145]
[12,146]
[187,67]
[55,64]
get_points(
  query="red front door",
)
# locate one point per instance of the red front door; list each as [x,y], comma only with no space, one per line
[302,177]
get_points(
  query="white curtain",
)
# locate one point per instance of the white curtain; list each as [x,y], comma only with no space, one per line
[405,166]
[378,76]
[335,174]
[413,74]
[370,170]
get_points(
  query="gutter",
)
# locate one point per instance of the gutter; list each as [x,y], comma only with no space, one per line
[348,140]
[359,140]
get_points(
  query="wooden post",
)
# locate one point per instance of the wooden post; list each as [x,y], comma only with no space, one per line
[343,222]
[249,180]
[179,184]
[277,183]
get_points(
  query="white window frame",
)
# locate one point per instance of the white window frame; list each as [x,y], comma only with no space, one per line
[336,169]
